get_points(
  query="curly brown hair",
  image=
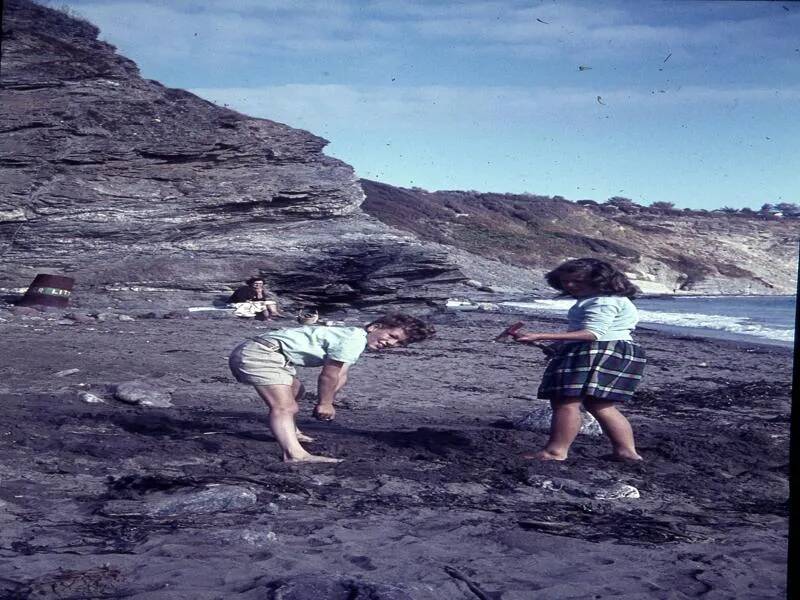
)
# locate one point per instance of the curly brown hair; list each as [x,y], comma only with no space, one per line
[416,330]
[606,278]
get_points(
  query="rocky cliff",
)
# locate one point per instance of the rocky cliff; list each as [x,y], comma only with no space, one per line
[508,241]
[117,180]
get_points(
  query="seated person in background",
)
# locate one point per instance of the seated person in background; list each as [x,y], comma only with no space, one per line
[258,301]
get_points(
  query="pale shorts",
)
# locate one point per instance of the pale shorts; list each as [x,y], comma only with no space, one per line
[251,309]
[255,364]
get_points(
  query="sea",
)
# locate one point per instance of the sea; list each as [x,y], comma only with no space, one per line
[759,319]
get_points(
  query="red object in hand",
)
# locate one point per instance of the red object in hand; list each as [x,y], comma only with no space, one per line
[509,331]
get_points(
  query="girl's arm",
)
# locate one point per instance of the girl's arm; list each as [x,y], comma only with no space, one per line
[331,380]
[582,335]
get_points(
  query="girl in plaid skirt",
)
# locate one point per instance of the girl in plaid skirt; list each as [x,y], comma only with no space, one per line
[596,363]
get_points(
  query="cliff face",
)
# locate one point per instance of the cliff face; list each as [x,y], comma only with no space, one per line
[114,179]
[507,241]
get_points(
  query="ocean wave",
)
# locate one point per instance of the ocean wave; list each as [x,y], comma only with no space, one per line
[694,320]
[561,304]
[742,325]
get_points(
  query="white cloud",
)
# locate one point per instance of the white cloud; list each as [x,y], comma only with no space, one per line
[242,30]
[379,106]
[234,32]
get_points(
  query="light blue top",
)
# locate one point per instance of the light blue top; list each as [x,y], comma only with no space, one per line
[309,346]
[607,317]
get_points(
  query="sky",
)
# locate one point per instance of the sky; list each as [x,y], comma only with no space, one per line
[694,103]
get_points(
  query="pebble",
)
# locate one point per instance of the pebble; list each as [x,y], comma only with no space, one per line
[176,315]
[79,317]
[66,372]
[90,398]
[617,491]
[259,538]
[256,538]
[557,484]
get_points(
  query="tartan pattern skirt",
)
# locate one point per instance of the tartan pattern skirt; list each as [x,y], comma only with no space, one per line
[604,370]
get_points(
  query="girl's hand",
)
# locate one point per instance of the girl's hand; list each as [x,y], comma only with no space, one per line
[324,412]
[526,338]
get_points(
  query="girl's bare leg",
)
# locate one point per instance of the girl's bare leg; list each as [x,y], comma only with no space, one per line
[299,390]
[616,427]
[564,427]
[282,409]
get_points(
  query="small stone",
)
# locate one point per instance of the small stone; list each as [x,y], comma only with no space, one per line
[558,484]
[126,318]
[90,398]
[616,492]
[79,317]
[66,372]
[177,315]
[259,538]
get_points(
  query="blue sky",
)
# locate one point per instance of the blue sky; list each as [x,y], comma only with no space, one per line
[693,103]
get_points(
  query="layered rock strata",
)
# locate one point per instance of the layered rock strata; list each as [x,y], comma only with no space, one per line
[117,180]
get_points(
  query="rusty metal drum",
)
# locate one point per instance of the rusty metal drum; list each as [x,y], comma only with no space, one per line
[48,290]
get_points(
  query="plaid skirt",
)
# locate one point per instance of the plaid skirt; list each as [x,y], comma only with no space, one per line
[604,370]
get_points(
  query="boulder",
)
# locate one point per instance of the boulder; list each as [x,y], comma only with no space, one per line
[142,393]
[212,499]
[540,413]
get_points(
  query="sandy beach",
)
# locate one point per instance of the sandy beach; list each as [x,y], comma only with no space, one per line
[103,499]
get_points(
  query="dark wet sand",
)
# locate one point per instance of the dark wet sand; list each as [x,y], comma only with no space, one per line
[432,501]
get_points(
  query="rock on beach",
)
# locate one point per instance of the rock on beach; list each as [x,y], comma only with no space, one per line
[142,393]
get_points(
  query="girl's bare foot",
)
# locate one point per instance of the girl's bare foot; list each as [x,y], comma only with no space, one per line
[545,455]
[624,457]
[302,437]
[311,458]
